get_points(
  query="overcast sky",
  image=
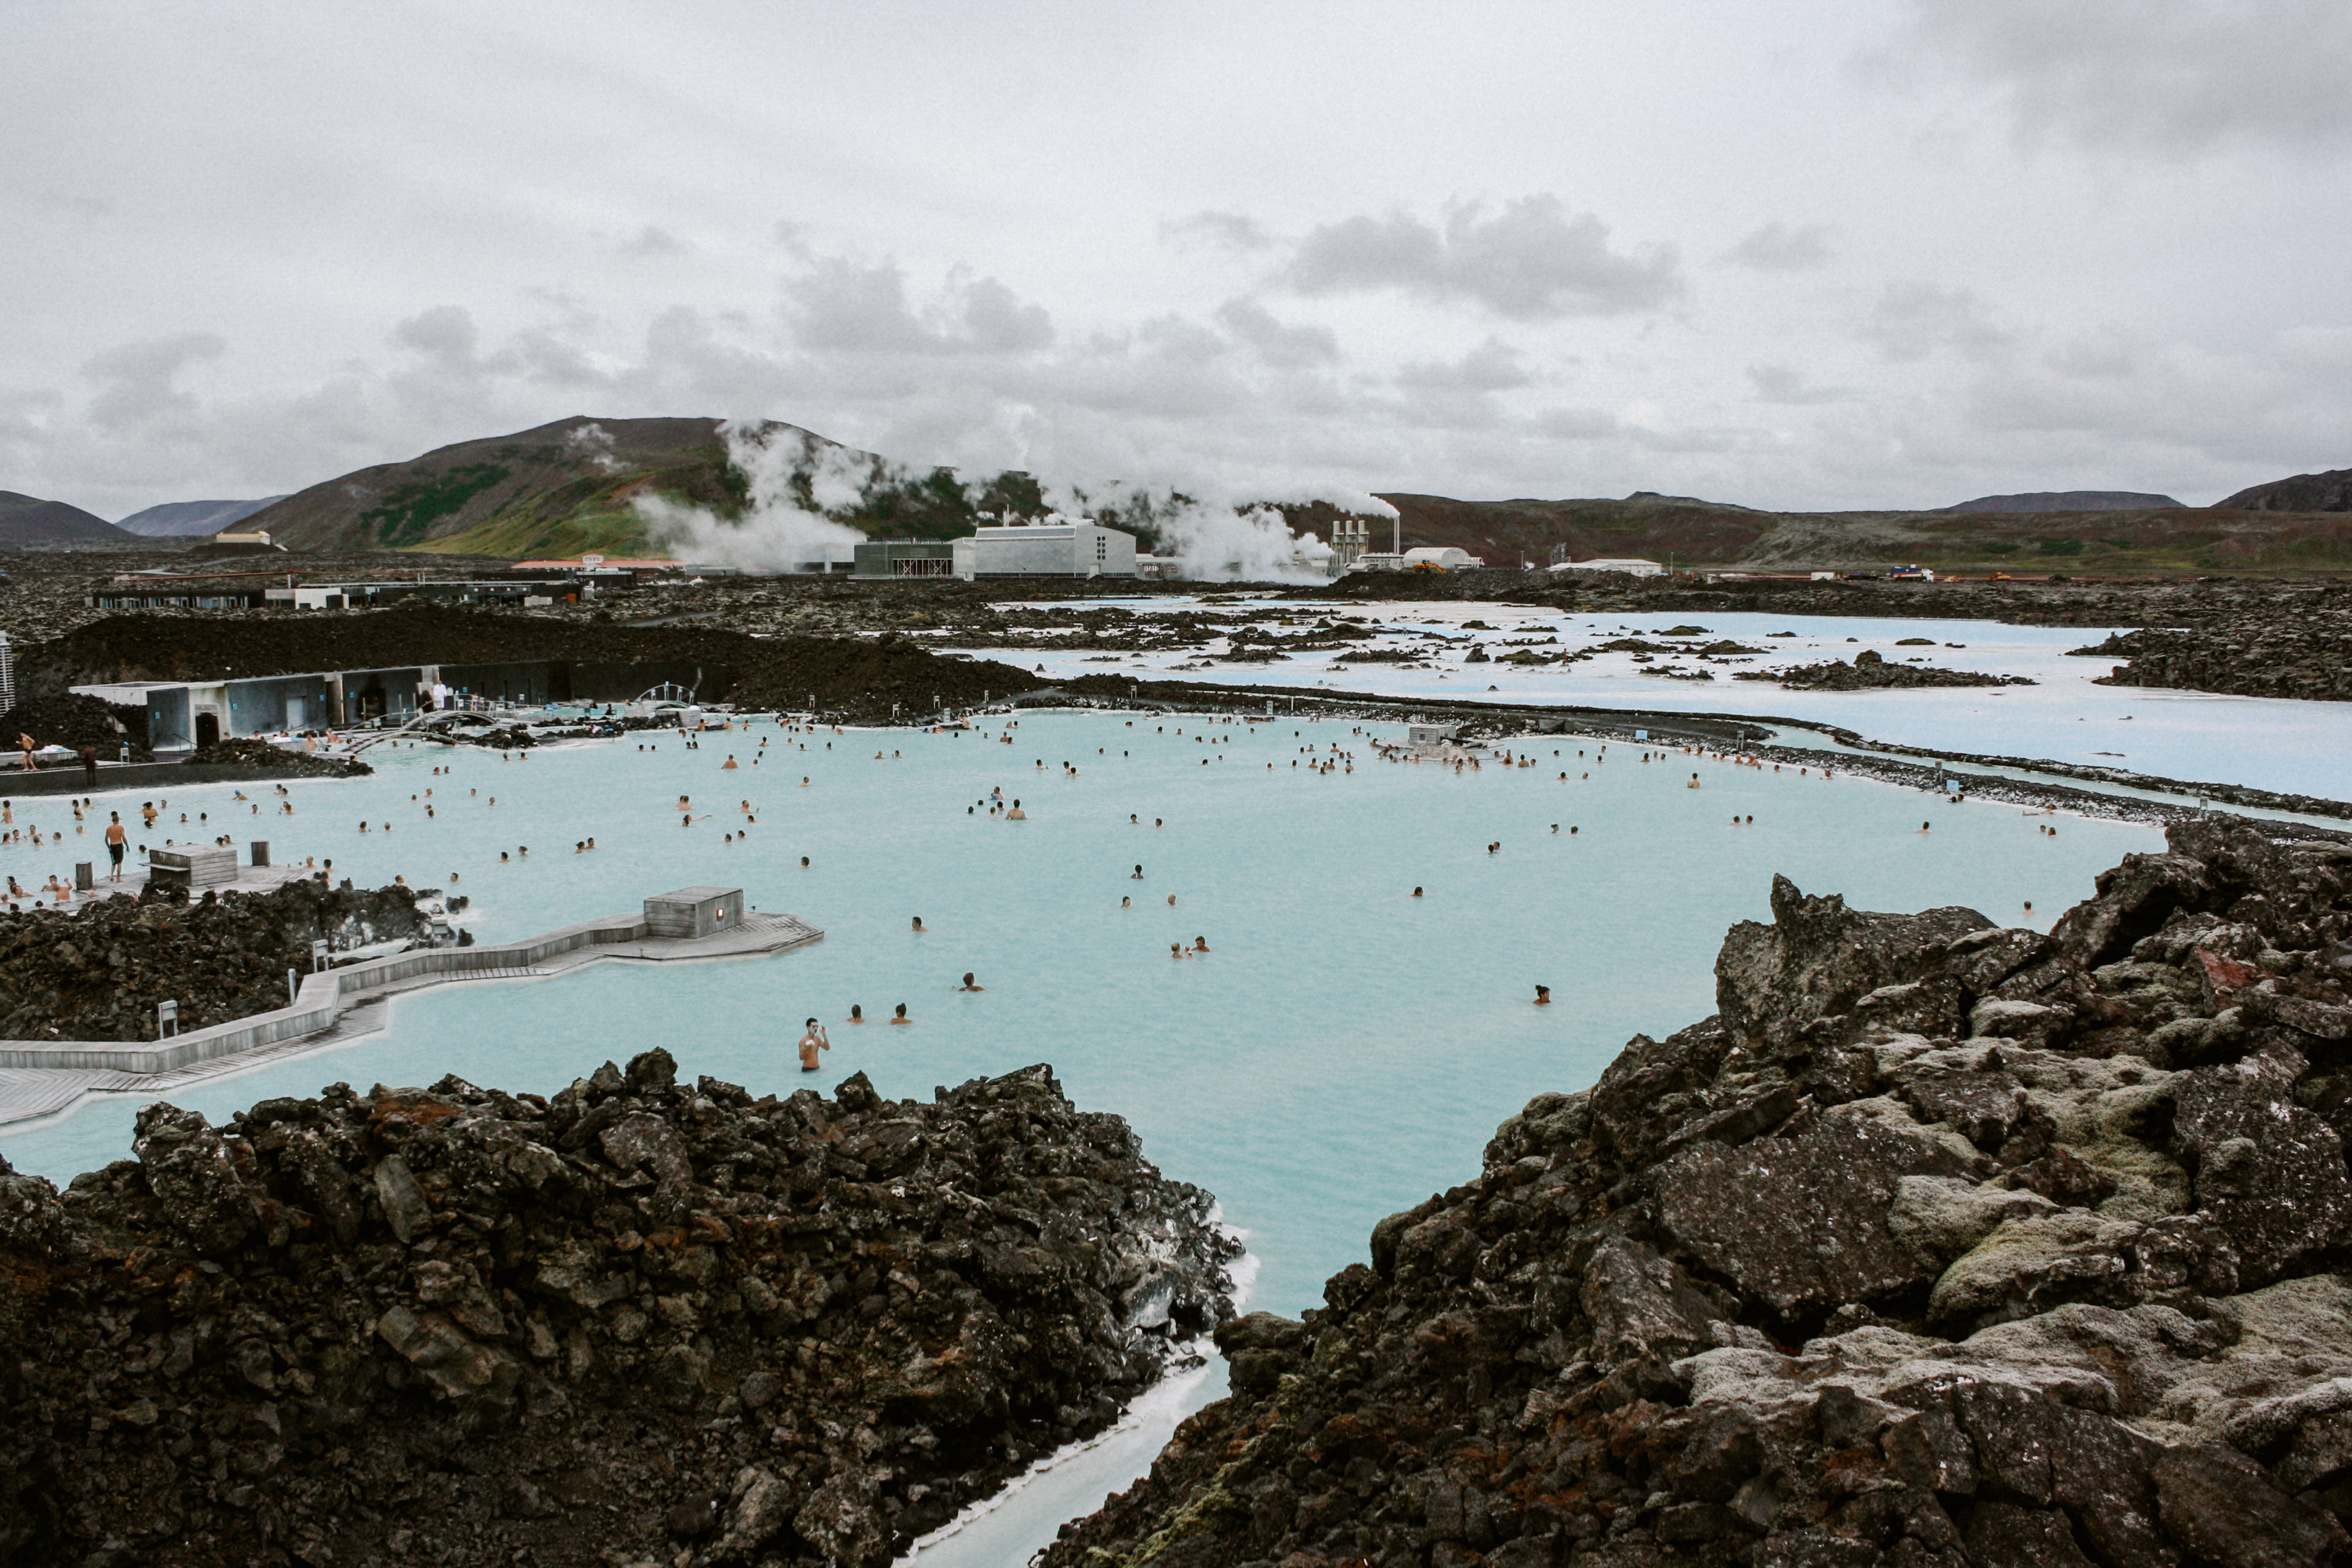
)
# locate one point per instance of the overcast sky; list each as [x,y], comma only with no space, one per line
[1850,253]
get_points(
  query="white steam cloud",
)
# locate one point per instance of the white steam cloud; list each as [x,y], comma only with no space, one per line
[795,480]
[775,533]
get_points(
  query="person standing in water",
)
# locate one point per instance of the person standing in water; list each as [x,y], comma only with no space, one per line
[115,838]
[813,1042]
[969,984]
[1543,995]
[900,1016]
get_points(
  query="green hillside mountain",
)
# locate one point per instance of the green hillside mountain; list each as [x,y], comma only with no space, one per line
[569,487]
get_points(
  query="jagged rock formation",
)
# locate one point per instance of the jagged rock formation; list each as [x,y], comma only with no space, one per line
[247,753]
[97,973]
[1938,1243]
[1870,671]
[639,1322]
[2305,654]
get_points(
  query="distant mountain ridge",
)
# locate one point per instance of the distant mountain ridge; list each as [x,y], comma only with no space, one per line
[2330,491]
[192,519]
[2068,500]
[29,519]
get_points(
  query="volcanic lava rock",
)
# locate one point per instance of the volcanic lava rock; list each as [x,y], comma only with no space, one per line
[639,1322]
[2251,650]
[1871,672]
[243,752]
[1938,1243]
[97,974]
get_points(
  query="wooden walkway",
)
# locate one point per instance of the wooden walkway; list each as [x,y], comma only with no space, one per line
[349,1005]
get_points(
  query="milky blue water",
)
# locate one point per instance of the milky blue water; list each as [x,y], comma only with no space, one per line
[1342,1051]
[2272,743]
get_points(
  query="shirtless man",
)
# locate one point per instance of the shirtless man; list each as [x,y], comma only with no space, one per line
[900,1016]
[115,840]
[811,1043]
[969,984]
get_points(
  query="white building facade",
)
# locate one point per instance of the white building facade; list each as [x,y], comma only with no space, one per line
[1051,549]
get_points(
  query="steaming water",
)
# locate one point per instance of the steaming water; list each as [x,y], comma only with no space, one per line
[1344,1049]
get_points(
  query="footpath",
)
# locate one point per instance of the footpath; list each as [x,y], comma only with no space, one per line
[334,1006]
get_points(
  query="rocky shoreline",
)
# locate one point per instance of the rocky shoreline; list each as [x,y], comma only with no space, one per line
[97,972]
[1938,1243]
[639,1322]
[1871,672]
[2307,655]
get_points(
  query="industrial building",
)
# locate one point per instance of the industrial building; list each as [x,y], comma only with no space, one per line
[1063,549]
[1444,557]
[1632,567]
[185,714]
[903,558]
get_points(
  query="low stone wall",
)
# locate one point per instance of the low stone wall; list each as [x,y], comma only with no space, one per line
[319,999]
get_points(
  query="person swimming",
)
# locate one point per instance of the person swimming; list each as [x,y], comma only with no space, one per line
[1171,900]
[1136,875]
[856,1013]
[1543,995]
[1127,903]
[969,984]
[919,929]
[1176,950]
[1200,944]
[1416,892]
[900,1016]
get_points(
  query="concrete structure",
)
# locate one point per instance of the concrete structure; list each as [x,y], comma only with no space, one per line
[7,677]
[199,866]
[1445,558]
[1380,561]
[1631,566]
[1051,549]
[245,536]
[39,1078]
[185,714]
[903,558]
[1430,740]
[163,592]
[369,595]
[693,911]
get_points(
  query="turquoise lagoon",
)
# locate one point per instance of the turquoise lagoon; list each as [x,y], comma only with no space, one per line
[1343,1050]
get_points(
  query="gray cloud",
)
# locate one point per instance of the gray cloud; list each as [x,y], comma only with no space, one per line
[137,383]
[1534,260]
[1776,248]
[652,240]
[1216,230]
[1913,319]
[842,307]
[2172,77]
[1780,384]
[1285,348]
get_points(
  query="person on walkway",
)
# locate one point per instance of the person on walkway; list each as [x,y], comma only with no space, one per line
[811,1043]
[89,765]
[27,744]
[115,840]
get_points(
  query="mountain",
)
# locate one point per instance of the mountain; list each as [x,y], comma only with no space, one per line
[1682,531]
[28,520]
[568,487]
[2067,501]
[2330,491]
[193,518]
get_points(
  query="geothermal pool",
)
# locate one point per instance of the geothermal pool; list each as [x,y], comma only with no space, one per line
[1344,1049]
[2196,736]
